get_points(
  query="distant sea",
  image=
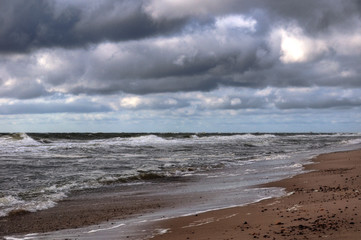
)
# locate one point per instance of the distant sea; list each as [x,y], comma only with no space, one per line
[37,170]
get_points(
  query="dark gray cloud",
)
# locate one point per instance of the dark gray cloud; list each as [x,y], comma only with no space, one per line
[32,24]
[22,90]
[42,108]
[108,48]
[315,16]
[148,86]
[238,68]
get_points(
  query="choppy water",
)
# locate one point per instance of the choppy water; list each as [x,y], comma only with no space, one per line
[37,170]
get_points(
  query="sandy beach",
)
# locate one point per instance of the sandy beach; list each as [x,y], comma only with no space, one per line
[81,209]
[322,204]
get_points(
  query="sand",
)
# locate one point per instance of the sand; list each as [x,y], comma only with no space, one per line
[83,208]
[322,204]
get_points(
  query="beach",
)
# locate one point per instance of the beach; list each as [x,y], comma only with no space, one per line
[322,204]
[276,195]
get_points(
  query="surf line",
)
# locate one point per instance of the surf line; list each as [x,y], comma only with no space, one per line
[105,229]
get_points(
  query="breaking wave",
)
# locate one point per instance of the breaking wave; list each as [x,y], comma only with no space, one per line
[15,137]
[48,166]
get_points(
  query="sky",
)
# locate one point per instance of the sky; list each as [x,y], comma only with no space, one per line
[180,66]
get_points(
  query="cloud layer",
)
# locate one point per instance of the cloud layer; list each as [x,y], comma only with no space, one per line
[190,57]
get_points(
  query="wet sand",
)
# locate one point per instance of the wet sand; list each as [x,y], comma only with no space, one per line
[84,208]
[324,204]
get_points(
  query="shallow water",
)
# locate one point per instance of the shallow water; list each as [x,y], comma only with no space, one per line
[38,170]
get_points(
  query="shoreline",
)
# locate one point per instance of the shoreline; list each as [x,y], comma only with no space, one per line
[83,209]
[89,209]
[322,203]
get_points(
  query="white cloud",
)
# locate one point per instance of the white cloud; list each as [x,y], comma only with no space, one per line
[131,102]
[264,92]
[235,22]
[48,61]
[152,102]
[295,46]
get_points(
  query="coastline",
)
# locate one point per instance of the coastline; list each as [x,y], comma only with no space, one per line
[323,203]
[82,209]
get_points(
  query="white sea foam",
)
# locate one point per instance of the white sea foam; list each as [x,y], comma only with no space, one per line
[105,229]
[352,141]
[244,137]
[32,206]
[22,138]
[148,140]
[60,190]
[17,238]
[9,201]
[194,139]
[26,237]
[35,206]
[161,231]
[292,166]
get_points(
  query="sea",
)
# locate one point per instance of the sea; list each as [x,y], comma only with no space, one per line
[37,170]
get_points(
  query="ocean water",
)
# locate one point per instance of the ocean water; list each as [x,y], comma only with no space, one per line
[37,170]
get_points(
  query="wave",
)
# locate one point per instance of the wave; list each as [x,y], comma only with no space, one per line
[25,207]
[157,139]
[45,198]
[197,138]
[14,136]
[18,138]
[134,140]
[146,176]
[293,166]
[235,137]
[149,139]
[48,197]
[163,138]
[10,205]
[351,141]
[9,201]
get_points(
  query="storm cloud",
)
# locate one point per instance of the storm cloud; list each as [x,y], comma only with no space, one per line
[33,24]
[190,57]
